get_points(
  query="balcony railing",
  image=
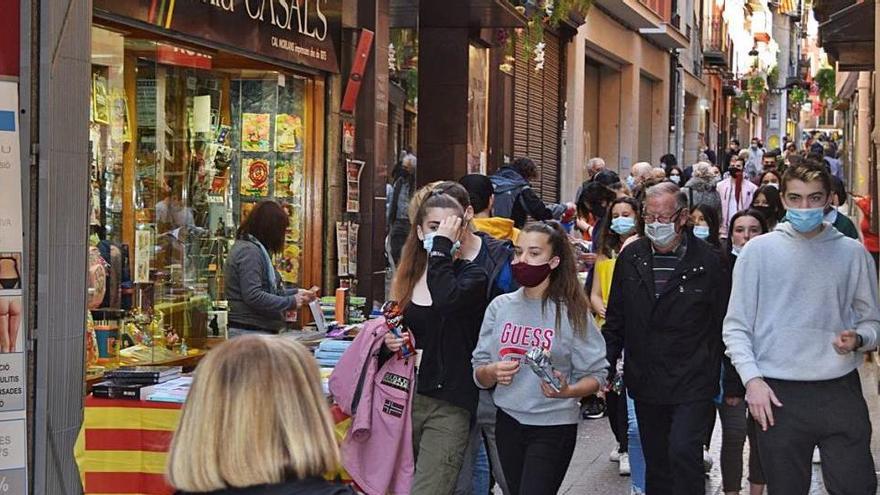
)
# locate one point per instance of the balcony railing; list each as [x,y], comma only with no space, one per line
[716,41]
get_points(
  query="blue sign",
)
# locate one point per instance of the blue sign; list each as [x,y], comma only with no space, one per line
[7,121]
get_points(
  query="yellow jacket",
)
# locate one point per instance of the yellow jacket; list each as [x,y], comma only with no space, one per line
[498,227]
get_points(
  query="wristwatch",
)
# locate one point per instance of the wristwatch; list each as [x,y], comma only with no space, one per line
[860,342]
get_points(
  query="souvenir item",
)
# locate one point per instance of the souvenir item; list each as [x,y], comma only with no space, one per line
[539,361]
[394,322]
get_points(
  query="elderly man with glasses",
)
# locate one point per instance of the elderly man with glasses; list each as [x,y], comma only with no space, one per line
[667,303]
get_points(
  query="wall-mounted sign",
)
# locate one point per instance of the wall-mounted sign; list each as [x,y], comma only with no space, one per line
[304,32]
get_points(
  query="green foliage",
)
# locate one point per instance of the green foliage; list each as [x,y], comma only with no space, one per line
[740,105]
[797,97]
[773,77]
[756,87]
[826,79]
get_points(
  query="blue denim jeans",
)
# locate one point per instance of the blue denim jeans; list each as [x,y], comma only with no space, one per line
[481,470]
[636,457]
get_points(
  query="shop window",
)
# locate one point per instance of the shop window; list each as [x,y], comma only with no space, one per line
[183,144]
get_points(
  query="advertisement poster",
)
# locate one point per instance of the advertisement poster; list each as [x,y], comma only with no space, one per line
[255,131]
[348,137]
[288,133]
[254,177]
[13,415]
[353,169]
[342,249]
[353,248]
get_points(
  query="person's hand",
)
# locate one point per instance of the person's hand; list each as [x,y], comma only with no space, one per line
[304,297]
[846,341]
[552,394]
[588,258]
[761,400]
[733,401]
[601,311]
[504,371]
[582,225]
[394,344]
[450,227]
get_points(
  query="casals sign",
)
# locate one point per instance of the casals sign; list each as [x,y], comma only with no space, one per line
[304,32]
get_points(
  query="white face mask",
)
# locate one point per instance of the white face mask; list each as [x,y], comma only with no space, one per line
[661,235]
[675,179]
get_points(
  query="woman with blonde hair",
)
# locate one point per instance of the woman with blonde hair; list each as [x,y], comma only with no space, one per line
[241,433]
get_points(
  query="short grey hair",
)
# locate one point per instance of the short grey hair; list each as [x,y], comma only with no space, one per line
[642,169]
[595,161]
[702,170]
[664,188]
[410,159]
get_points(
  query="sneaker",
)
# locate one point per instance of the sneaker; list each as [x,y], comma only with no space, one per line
[707,461]
[615,454]
[594,408]
[817,458]
[624,464]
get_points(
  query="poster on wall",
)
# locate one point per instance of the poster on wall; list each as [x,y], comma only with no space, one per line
[288,133]
[254,177]
[255,131]
[13,415]
[342,249]
[288,264]
[283,179]
[353,169]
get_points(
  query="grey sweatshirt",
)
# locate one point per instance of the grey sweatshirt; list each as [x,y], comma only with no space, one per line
[514,324]
[252,299]
[791,296]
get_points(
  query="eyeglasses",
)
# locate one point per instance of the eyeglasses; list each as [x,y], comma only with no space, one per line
[651,218]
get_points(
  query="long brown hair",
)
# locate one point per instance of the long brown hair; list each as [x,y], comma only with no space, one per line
[414,258]
[267,222]
[565,289]
[611,240]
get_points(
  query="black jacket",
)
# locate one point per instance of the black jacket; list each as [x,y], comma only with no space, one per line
[310,486]
[498,266]
[527,203]
[673,343]
[458,291]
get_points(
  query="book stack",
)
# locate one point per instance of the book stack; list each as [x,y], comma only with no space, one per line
[133,382]
[330,351]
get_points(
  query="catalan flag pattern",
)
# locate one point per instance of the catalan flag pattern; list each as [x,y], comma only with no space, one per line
[123,445]
[788,6]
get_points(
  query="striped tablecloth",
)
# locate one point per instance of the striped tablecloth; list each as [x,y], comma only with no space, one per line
[123,445]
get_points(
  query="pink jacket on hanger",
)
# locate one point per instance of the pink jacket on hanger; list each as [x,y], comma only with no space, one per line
[377,451]
[726,189]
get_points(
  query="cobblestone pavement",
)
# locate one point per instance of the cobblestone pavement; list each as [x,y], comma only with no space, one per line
[592,474]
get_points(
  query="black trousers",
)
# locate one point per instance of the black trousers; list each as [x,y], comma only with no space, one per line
[672,440]
[617,418]
[831,414]
[534,458]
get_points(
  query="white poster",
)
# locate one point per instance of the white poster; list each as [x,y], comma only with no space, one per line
[13,390]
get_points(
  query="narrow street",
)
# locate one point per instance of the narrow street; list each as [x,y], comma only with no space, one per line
[592,473]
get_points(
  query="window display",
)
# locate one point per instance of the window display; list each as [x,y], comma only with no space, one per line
[183,143]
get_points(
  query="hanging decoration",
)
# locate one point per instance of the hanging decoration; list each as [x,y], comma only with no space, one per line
[539,56]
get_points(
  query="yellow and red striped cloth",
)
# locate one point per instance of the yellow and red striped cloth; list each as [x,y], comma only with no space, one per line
[123,445]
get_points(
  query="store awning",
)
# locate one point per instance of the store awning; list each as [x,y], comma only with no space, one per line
[482,14]
[849,86]
[848,37]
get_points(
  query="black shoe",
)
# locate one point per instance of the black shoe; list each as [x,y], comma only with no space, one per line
[593,408]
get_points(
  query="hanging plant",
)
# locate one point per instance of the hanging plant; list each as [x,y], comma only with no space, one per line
[756,87]
[541,14]
[740,105]
[826,79]
[797,97]
[773,77]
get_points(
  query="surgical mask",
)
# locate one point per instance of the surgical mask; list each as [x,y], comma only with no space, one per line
[675,179]
[773,184]
[661,234]
[805,219]
[623,225]
[428,243]
[735,250]
[701,231]
[631,181]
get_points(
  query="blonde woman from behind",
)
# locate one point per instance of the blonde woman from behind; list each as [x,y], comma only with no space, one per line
[255,422]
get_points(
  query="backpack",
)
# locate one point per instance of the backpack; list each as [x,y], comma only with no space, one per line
[506,197]
[96,278]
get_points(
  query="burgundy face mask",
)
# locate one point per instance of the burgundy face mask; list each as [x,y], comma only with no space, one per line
[528,275]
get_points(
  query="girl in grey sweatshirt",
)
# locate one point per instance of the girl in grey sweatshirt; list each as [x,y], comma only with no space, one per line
[535,421]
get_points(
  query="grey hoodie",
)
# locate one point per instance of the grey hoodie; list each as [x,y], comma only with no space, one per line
[791,296]
[512,325]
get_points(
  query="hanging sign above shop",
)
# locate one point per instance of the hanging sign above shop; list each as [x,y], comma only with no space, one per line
[304,32]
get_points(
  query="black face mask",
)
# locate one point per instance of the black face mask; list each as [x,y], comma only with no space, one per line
[766,211]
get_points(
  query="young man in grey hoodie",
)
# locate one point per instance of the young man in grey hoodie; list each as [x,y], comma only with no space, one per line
[802,311]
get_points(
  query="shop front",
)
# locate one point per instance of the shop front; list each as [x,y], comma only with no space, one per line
[199,110]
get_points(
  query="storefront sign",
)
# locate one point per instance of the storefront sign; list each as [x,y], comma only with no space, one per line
[13,413]
[304,32]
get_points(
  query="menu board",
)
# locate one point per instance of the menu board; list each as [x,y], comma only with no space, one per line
[13,391]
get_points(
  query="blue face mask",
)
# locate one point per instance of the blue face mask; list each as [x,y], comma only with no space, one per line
[623,225]
[805,219]
[701,231]
[631,181]
[428,243]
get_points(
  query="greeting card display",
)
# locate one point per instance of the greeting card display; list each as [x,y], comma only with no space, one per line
[288,133]
[283,179]
[255,129]
[254,177]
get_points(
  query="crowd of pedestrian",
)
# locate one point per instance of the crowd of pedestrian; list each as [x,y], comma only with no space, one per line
[662,301]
